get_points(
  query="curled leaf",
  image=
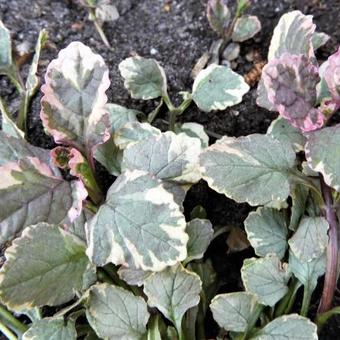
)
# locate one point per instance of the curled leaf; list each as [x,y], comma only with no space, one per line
[246,27]
[291,82]
[332,75]
[219,16]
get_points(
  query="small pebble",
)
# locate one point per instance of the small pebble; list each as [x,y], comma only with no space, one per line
[153,51]
[225,63]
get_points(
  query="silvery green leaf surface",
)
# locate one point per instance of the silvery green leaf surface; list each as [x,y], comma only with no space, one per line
[281,129]
[319,39]
[31,193]
[132,276]
[51,329]
[234,311]
[5,49]
[322,89]
[173,291]
[332,75]
[293,34]
[299,195]
[134,132]
[167,156]
[73,105]
[194,130]
[219,16]
[290,82]
[253,169]
[218,87]
[115,313]
[8,125]
[322,153]
[77,228]
[267,231]
[307,272]
[311,238]
[120,115]
[266,278]
[232,51]
[246,27]
[200,233]
[144,78]
[106,11]
[138,226]
[288,327]
[45,266]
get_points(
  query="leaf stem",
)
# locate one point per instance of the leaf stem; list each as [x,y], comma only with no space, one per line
[15,78]
[287,302]
[99,28]
[305,301]
[22,117]
[321,319]
[14,323]
[153,114]
[7,332]
[332,250]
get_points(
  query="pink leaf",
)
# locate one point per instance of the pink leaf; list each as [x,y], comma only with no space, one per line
[332,76]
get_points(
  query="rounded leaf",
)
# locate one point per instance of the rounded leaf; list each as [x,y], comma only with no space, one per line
[246,27]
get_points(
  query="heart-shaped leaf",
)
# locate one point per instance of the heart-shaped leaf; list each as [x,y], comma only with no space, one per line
[246,27]
[73,105]
[253,169]
[267,232]
[45,266]
[218,87]
[139,225]
[143,78]
[115,313]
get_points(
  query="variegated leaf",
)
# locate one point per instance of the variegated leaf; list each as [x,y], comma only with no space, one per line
[31,193]
[218,87]
[266,278]
[138,226]
[219,16]
[194,130]
[73,105]
[332,75]
[173,291]
[5,49]
[132,276]
[45,266]
[267,232]
[299,195]
[115,313]
[311,239]
[143,78]
[246,27]
[319,39]
[254,169]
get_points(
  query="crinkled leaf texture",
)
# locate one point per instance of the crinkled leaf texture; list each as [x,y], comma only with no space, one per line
[311,239]
[139,225]
[267,231]
[219,16]
[234,311]
[266,278]
[218,87]
[45,266]
[73,105]
[332,75]
[322,153]
[51,329]
[115,313]
[143,78]
[246,27]
[288,327]
[253,169]
[290,81]
[31,193]
[173,291]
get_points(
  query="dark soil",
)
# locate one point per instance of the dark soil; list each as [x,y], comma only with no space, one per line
[176,38]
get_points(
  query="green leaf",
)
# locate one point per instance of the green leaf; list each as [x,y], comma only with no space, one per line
[5,49]
[132,276]
[267,231]
[194,130]
[245,28]
[106,12]
[143,78]
[307,272]
[139,225]
[319,39]
[322,153]
[282,130]
[134,132]
[73,105]
[31,193]
[200,233]
[266,278]
[288,327]
[293,34]
[45,266]
[299,197]
[8,124]
[218,87]
[170,157]
[219,16]
[115,313]
[120,115]
[311,238]
[173,291]
[234,311]
[254,169]
[51,329]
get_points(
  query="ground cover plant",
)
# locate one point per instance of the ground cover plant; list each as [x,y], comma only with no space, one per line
[127,263]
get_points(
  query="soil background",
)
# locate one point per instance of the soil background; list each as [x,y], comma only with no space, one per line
[176,33]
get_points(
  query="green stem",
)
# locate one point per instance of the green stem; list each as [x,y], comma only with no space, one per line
[221,231]
[7,332]
[99,28]
[321,319]
[16,80]
[256,314]
[22,117]
[305,301]
[6,316]
[152,115]
[91,183]
[289,298]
